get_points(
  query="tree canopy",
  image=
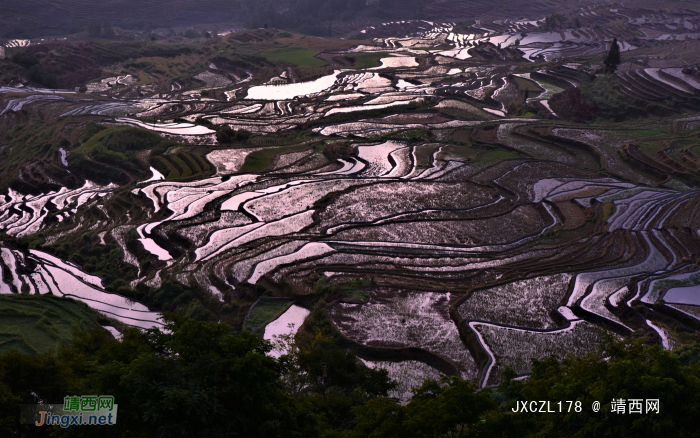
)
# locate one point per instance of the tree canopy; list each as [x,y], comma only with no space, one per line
[612,61]
[204,379]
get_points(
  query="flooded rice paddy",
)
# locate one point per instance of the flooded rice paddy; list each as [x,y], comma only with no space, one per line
[477,244]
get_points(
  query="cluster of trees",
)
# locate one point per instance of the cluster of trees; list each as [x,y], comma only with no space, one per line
[35,70]
[205,379]
[600,97]
[338,149]
[554,21]
[573,105]
[97,30]
[315,17]
[225,134]
[559,21]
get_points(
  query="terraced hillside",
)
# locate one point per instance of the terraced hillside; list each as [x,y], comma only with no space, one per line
[39,324]
[442,202]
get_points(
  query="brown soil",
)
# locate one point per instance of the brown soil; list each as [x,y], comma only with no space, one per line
[574,215]
[487,134]
[462,136]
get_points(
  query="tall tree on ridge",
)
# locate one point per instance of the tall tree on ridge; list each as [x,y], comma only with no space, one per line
[613,59]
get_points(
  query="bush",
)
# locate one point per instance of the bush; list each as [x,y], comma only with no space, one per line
[39,75]
[139,65]
[25,60]
[177,297]
[337,150]
[201,120]
[191,33]
[227,135]
[89,130]
[573,105]
[136,139]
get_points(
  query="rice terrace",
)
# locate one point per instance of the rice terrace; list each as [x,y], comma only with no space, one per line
[460,190]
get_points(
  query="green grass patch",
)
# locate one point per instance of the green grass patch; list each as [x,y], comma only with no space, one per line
[260,160]
[204,164]
[428,48]
[181,165]
[411,134]
[527,84]
[123,140]
[368,60]
[172,171]
[191,162]
[645,133]
[527,115]
[550,90]
[460,152]
[112,154]
[265,312]
[651,149]
[353,292]
[300,56]
[356,295]
[424,154]
[186,171]
[608,209]
[35,324]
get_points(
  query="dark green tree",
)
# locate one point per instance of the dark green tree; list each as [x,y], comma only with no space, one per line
[449,408]
[108,31]
[612,61]
[227,135]
[191,33]
[618,370]
[330,380]
[30,380]
[548,23]
[94,30]
[194,379]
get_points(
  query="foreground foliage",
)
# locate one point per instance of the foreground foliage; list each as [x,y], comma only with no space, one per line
[202,379]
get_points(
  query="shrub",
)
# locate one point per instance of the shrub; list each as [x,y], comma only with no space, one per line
[227,135]
[338,150]
[573,105]
[89,130]
[191,33]
[25,60]
[202,120]
[38,74]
